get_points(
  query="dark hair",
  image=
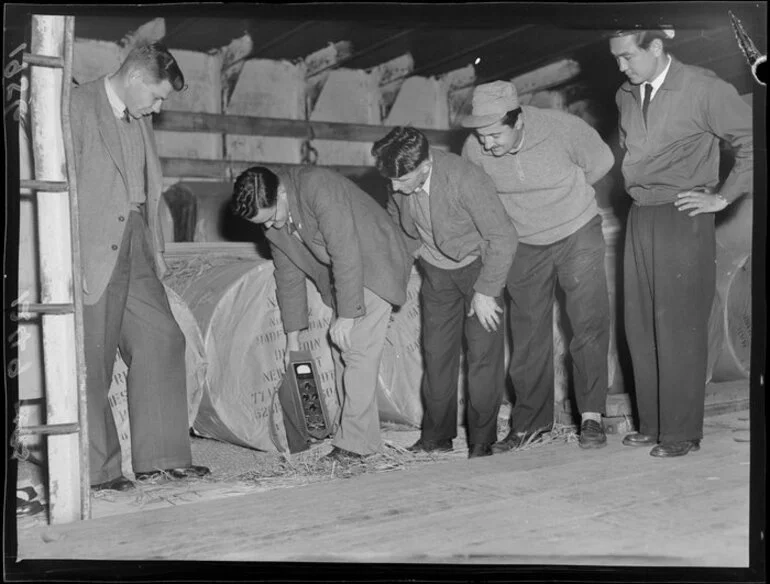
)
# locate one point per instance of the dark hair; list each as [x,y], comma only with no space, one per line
[155,59]
[511,117]
[254,189]
[401,151]
[643,38]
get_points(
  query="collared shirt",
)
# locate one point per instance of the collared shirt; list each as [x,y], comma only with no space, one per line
[678,150]
[419,206]
[656,83]
[118,107]
[132,145]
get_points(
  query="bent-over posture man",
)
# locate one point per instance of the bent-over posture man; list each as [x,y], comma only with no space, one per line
[672,117]
[543,163]
[321,226]
[465,244]
[125,305]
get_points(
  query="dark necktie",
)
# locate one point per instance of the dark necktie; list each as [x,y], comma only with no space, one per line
[126,117]
[646,102]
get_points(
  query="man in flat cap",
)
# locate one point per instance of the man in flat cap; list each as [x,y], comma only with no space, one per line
[672,117]
[543,163]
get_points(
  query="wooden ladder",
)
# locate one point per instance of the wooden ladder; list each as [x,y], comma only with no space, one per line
[61,304]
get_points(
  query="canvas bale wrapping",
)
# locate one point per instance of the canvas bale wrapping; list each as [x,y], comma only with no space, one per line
[237,312]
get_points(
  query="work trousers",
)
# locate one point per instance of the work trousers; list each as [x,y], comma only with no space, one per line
[134,314]
[577,262]
[445,298]
[669,286]
[357,370]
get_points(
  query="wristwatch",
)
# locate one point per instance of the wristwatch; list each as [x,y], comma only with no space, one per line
[721,198]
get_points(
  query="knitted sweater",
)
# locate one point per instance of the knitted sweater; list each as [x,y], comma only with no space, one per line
[546,186]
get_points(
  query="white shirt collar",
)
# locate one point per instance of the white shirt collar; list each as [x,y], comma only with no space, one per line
[118,107]
[426,184]
[658,81]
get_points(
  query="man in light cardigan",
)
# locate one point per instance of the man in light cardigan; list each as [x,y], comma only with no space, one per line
[543,163]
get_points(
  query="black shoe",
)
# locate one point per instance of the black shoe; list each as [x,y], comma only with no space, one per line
[476,450]
[119,484]
[342,455]
[174,473]
[592,435]
[669,449]
[638,439]
[516,440]
[431,446]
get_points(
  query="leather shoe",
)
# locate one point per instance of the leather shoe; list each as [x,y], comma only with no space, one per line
[638,439]
[516,440]
[342,455]
[476,450]
[119,484]
[431,446]
[669,449]
[592,435]
[175,473]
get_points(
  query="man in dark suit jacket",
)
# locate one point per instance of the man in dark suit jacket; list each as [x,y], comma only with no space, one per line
[322,226]
[125,305]
[465,243]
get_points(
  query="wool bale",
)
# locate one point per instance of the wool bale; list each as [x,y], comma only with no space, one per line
[350,96]
[234,306]
[421,102]
[548,76]
[459,86]
[272,89]
[149,32]
[319,66]
[730,321]
[93,59]
[202,74]
[391,76]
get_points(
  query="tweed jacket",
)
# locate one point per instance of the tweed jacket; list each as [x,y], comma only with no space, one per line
[467,216]
[348,242]
[103,201]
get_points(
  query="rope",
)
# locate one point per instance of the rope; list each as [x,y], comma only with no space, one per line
[308,153]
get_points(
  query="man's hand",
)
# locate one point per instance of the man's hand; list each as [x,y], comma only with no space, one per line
[340,332]
[486,309]
[699,201]
[292,344]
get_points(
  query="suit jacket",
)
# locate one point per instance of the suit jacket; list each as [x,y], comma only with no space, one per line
[103,203]
[348,242]
[467,215]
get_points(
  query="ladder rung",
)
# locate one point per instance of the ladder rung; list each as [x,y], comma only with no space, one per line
[53,186]
[51,429]
[43,60]
[50,308]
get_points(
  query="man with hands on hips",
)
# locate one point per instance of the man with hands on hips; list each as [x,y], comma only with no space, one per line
[322,227]
[672,117]
[465,243]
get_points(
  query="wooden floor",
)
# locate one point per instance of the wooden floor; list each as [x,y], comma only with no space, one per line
[553,505]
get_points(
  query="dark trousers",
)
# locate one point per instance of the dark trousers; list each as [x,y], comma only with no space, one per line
[669,280]
[134,314]
[445,298]
[577,262]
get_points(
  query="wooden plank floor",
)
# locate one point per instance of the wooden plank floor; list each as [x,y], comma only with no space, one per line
[552,505]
